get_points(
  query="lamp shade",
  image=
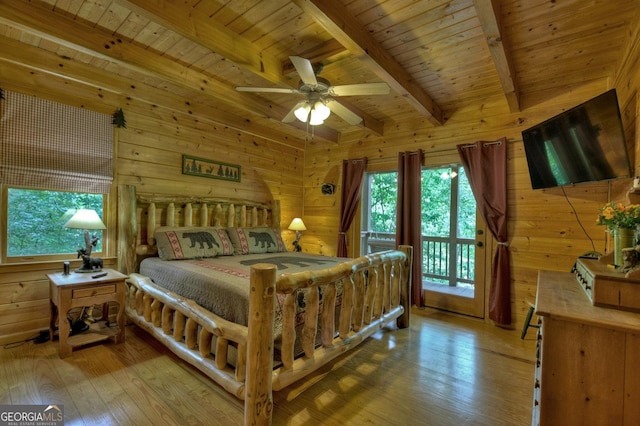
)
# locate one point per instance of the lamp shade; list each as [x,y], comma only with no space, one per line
[321,110]
[297,225]
[85,219]
[314,119]
[314,114]
[302,112]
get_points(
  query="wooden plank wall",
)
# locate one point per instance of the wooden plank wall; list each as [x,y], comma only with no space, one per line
[149,155]
[544,232]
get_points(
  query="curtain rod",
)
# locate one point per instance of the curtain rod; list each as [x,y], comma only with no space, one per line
[437,151]
[498,142]
[485,144]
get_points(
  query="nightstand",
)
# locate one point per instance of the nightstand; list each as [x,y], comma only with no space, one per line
[78,290]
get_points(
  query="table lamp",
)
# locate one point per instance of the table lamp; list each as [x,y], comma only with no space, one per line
[87,219]
[297,225]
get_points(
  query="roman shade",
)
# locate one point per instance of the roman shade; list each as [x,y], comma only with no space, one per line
[48,145]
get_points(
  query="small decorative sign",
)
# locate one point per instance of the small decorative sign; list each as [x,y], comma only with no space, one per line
[197,166]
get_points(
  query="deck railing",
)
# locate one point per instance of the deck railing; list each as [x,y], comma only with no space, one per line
[437,260]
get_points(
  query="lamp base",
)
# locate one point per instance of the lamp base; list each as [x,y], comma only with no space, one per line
[90,264]
[82,270]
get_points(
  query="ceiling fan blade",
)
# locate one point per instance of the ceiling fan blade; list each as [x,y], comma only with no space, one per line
[266,89]
[343,112]
[305,70]
[360,89]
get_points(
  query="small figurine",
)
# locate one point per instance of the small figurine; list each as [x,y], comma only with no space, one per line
[630,259]
[89,264]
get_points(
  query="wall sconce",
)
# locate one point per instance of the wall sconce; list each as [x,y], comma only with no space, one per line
[297,225]
[328,189]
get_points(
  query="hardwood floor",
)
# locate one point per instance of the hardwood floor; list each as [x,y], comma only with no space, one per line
[444,370]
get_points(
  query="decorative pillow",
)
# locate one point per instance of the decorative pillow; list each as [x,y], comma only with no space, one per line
[256,240]
[192,242]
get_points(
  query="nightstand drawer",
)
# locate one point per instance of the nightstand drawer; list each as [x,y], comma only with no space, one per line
[93,291]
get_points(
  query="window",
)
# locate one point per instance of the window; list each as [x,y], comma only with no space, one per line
[36,218]
[448,227]
[66,152]
[448,222]
[379,218]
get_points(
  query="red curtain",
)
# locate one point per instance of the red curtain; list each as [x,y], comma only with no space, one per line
[409,215]
[486,166]
[352,174]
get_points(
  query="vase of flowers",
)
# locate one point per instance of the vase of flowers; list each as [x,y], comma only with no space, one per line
[622,222]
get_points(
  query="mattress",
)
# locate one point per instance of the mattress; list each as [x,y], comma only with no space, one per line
[221,284]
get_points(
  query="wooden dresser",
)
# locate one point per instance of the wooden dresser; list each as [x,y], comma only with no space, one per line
[588,358]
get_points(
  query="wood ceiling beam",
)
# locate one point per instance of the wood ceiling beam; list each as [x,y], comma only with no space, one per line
[48,63]
[103,44]
[344,27]
[319,53]
[206,32]
[489,13]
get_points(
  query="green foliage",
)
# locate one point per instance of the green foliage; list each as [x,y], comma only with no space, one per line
[439,187]
[383,192]
[436,202]
[36,221]
[466,207]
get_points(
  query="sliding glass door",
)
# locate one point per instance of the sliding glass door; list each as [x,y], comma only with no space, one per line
[453,239]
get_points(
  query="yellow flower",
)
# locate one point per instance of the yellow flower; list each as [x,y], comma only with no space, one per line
[617,215]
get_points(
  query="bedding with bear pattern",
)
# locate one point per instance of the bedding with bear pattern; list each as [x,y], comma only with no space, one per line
[221,284]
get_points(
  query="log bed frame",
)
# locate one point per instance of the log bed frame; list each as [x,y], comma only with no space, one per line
[376,289]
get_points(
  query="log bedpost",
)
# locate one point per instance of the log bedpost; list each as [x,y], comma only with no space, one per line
[127,229]
[258,402]
[404,321]
[275,214]
[151,224]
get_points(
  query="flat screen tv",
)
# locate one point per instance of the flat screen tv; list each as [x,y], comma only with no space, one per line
[583,144]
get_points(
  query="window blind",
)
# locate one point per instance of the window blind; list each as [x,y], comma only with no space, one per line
[48,145]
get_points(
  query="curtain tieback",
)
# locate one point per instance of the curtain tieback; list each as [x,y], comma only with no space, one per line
[503,243]
[342,233]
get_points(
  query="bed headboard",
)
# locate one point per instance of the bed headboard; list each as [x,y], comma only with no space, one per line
[139,214]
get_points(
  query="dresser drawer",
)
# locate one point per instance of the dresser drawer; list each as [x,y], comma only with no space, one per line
[93,291]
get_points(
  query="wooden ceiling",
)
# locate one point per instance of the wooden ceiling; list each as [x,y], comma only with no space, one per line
[437,56]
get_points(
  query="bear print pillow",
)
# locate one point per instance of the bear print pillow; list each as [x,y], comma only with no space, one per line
[256,240]
[192,242]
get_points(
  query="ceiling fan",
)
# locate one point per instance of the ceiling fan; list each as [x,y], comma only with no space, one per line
[319,94]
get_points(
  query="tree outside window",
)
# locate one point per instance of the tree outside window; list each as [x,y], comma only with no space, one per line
[448,221]
[36,218]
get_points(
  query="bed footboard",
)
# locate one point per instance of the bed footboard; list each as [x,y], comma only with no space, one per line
[375,293]
[192,333]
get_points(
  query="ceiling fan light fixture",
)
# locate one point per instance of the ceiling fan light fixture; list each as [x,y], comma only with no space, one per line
[321,110]
[315,119]
[302,112]
[313,115]
[319,93]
